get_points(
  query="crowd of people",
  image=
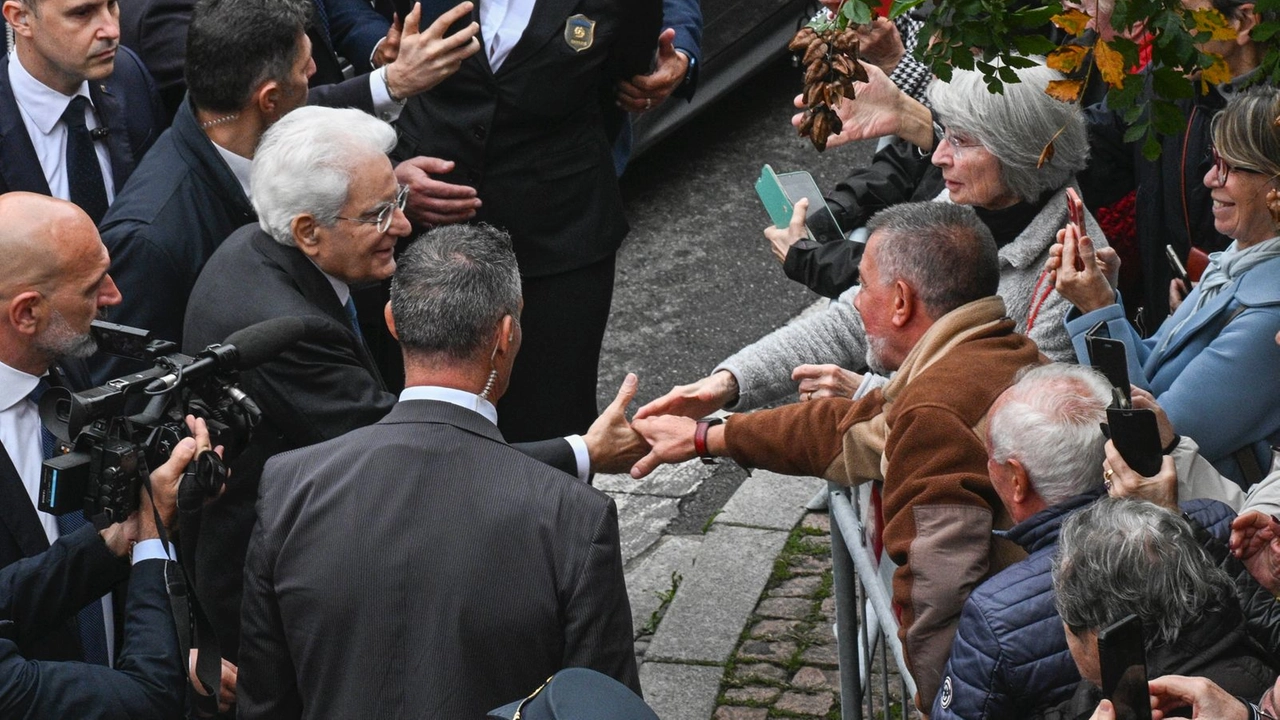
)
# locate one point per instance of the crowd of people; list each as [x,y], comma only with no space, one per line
[408,527]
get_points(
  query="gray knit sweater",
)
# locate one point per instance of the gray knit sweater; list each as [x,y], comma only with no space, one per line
[835,335]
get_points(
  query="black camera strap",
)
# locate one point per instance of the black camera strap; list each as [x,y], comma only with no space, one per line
[193,627]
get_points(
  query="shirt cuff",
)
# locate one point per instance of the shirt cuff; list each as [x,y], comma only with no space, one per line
[580,456]
[384,107]
[153,549]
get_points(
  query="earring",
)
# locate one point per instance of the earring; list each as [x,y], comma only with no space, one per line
[488,384]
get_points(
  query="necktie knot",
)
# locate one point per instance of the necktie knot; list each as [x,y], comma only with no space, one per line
[38,391]
[74,115]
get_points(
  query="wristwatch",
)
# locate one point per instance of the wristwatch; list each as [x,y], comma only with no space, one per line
[700,438]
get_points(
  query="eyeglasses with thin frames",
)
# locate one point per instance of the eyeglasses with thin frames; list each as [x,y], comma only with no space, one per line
[385,211]
[957,145]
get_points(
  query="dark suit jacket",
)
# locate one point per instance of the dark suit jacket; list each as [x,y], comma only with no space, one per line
[48,589]
[166,223]
[22,536]
[126,104]
[535,138]
[323,387]
[422,567]
[157,31]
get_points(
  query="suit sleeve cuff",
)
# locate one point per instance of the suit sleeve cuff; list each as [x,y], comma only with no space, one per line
[384,108]
[153,549]
[580,456]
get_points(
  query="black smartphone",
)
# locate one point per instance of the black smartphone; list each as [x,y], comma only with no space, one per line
[1107,356]
[1175,264]
[1122,658]
[1137,438]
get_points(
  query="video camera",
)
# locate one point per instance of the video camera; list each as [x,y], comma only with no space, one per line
[118,431]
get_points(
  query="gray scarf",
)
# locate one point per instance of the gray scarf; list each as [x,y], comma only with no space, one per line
[1224,268]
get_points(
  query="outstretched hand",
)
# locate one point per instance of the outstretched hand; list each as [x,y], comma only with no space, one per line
[432,201]
[695,400]
[425,58]
[825,381]
[670,439]
[878,109]
[645,92]
[1255,540]
[611,442]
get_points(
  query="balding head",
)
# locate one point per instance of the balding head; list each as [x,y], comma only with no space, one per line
[53,282]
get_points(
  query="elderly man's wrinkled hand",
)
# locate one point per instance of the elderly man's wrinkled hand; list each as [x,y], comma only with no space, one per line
[671,441]
[825,381]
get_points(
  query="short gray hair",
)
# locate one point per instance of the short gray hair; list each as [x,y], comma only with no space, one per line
[943,251]
[1016,125]
[1120,556]
[1049,422]
[451,289]
[303,165]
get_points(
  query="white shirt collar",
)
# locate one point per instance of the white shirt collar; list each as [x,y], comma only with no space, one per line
[239,167]
[461,398]
[42,103]
[15,386]
[340,288]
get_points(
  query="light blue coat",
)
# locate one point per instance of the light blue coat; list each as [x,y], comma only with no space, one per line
[1219,379]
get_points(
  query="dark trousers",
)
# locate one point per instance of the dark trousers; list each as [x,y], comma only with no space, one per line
[553,383]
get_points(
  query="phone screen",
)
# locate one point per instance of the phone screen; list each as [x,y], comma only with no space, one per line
[1123,662]
[1107,356]
[818,217]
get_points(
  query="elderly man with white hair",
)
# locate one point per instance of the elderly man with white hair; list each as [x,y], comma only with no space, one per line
[330,214]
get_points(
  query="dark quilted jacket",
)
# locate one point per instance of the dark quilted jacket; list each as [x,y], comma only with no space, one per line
[1010,655]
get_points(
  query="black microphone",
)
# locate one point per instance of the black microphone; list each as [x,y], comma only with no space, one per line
[243,349]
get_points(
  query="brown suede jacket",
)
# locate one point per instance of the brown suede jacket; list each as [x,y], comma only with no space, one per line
[923,434]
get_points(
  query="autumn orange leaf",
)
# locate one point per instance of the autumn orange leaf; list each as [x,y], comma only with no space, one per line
[1065,90]
[1110,63]
[1071,21]
[1213,22]
[1067,58]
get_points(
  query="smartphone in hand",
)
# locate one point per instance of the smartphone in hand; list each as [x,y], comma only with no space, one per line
[1122,659]
[1107,356]
[1075,210]
[1136,435]
[1175,264]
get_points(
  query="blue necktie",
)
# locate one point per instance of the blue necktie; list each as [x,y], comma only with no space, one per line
[93,636]
[355,320]
[87,187]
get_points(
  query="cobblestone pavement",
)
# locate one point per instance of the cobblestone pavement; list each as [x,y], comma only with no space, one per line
[786,664]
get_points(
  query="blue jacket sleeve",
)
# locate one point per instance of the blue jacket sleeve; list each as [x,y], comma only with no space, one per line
[148,680]
[355,28]
[685,17]
[969,686]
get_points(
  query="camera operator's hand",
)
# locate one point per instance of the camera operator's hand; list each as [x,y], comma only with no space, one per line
[141,525]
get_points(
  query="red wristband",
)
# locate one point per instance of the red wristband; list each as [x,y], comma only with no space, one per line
[700,439]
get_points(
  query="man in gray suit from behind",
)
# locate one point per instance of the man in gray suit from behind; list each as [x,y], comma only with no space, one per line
[421,567]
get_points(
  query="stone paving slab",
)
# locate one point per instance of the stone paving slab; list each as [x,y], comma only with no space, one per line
[642,520]
[651,575]
[770,500]
[667,481]
[717,597]
[680,692]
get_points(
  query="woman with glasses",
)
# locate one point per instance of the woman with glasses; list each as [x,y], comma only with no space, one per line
[1213,365]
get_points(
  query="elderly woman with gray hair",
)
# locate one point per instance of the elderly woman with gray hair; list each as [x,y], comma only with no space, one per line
[1120,557]
[1011,156]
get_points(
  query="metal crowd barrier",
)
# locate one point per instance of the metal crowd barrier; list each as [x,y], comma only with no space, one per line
[864,605]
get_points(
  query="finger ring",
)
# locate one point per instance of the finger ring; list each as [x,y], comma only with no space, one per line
[648,103]
[1107,475]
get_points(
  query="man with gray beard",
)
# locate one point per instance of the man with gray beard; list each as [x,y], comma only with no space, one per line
[53,283]
[928,302]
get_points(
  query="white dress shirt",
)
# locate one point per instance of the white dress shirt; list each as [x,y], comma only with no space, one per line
[239,166]
[41,108]
[477,404]
[20,435]
[502,22]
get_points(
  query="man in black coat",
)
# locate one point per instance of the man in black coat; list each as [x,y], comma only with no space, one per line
[249,64]
[472,571]
[303,259]
[529,124]
[53,63]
